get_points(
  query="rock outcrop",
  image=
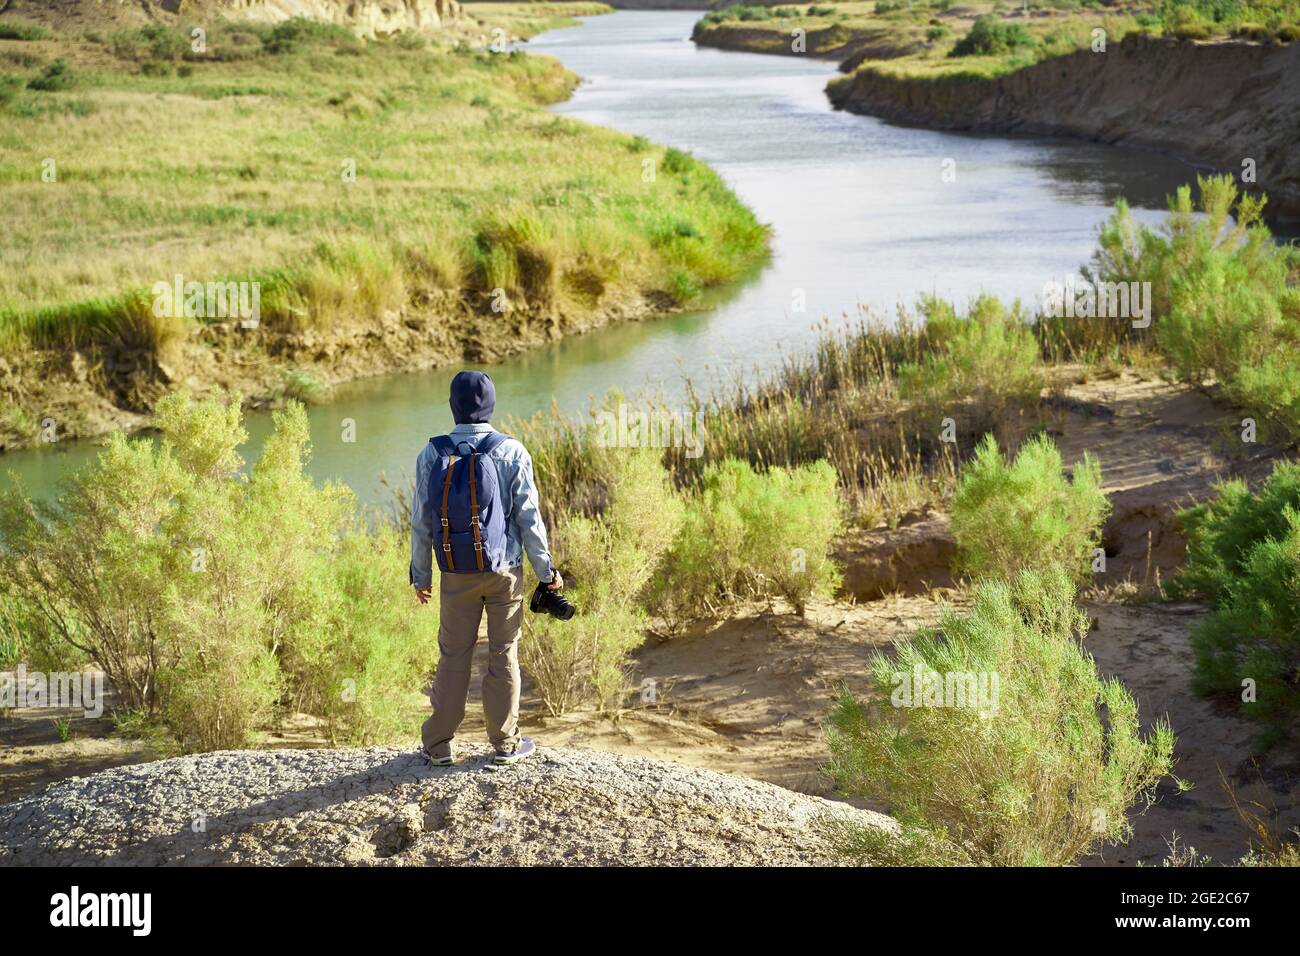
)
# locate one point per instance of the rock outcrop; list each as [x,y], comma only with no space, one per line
[388,807]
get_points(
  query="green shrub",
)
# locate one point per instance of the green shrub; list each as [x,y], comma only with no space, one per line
[1184,22]
[608,562]
[1223,309]
[678,161]
[989,359]
[23,31]
[191,583]
[1243,555]
[298,32]
[752,535]
[990,36]
[369,647]
[53,79]
[1041,771]
[1010,516]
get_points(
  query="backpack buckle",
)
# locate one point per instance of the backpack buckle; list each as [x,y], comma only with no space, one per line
[447,547]
[478,545]
[446,523]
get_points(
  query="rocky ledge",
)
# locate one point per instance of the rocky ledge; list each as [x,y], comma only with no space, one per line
[387,807]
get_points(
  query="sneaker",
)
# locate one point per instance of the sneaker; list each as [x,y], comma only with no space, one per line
[433,761]
[525,749]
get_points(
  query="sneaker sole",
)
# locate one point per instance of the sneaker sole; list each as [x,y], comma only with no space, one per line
[444,762]
[506,761]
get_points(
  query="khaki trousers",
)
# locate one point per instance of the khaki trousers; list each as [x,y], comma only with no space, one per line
[462,598]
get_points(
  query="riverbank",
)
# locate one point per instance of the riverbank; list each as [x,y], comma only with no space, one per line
[393,206]
[1202,95]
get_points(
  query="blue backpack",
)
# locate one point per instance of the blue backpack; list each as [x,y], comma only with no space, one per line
[465,506]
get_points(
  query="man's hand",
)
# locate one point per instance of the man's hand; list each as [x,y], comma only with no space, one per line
[557,582]
[422,594]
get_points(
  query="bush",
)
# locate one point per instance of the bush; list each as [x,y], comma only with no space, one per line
[1223,309]
[990,36]
[608,561]
[678,161]
[1186,23]
[368,648]
[1243,555]
[990,359]
[23,31]
[192,584]
[1040,772]
[53,79]
[754,535]
[153,42]
[1009,516]
[298,32]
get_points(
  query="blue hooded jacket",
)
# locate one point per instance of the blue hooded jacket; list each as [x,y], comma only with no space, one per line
[473,400]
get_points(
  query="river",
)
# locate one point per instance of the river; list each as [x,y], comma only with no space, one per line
[862,214]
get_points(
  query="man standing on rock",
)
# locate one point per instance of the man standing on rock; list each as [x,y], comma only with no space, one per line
[475,510]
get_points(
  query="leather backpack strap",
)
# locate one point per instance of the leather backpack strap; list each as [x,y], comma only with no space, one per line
[446,525]
[473,510]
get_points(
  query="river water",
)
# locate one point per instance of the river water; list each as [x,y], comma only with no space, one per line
[861,213]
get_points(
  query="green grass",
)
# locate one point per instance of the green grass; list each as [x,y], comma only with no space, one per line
[464,183]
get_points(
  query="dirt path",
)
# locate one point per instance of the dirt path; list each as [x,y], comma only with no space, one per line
[1147,648]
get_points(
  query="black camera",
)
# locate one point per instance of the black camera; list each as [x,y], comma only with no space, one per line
[546,601]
